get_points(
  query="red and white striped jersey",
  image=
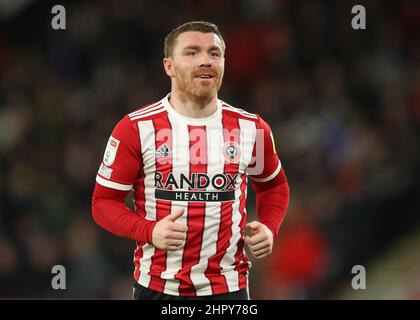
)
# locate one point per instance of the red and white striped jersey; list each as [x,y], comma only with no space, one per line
[201,165]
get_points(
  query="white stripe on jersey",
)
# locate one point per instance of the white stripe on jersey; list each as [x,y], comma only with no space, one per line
[239,111]
[243,249]
[253,115]
[147,114]
[144,109]
[247,138]
[180,156]
[215,165]
[113,185]
[145,263]
[148,149]
[149,109]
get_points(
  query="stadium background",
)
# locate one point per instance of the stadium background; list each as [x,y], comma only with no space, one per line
[344,106]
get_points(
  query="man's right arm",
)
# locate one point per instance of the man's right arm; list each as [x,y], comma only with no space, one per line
[118,171]
[120,168]
[110,212]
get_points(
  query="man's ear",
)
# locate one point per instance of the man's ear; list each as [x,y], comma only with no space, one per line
[167,64]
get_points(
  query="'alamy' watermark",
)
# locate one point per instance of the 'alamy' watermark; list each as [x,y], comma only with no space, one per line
[359,20]
[58,282]
[359,280]
[59,20]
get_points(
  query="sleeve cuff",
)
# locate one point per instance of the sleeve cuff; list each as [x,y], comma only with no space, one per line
[113,185]
[270,177]
[149,231]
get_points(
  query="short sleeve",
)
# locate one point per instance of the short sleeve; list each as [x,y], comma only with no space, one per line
[122,158]
[266,164]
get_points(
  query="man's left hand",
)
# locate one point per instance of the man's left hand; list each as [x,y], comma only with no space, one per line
[260,243]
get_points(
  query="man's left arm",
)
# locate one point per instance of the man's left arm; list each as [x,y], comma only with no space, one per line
[272,196]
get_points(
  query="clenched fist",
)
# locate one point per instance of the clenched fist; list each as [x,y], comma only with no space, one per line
[261,241]
[169,235]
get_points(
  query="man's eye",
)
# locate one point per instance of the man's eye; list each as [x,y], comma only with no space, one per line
[215,54]
[191,53]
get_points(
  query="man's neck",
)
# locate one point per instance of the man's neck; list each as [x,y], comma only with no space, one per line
[192,107]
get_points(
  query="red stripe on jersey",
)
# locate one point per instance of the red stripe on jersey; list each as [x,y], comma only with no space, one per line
[240,261]
[163,135]
[213,272]
[196,211]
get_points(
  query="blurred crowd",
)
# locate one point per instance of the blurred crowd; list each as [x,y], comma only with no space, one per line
[343,104]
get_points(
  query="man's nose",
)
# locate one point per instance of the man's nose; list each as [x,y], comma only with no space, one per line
[205,65]
[205,61]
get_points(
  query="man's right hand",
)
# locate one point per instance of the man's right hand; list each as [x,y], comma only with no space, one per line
[169,235]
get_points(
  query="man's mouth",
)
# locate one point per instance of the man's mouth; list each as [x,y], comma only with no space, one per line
[204,76]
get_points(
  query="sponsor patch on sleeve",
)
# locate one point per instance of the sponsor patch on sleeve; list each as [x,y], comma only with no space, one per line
[105,171]
[111,151]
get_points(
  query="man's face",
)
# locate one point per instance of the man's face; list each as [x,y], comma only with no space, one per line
[197,64]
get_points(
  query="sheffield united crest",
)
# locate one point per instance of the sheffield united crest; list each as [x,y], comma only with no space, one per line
[231,152]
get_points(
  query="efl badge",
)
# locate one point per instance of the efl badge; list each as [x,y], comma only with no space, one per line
[231,152]
[111,151]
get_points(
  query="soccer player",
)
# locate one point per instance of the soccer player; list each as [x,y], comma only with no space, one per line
[187,158]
